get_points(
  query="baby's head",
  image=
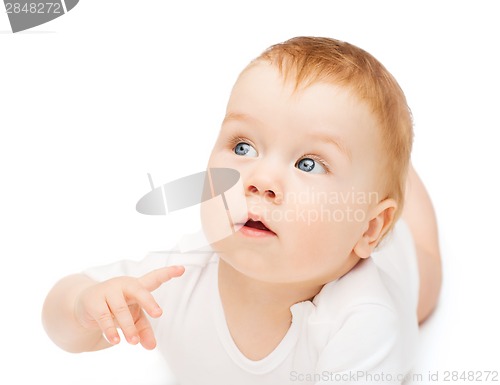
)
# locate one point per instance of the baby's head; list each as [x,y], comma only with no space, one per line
[321,134]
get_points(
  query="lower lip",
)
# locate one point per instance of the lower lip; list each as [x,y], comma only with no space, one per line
[255,233]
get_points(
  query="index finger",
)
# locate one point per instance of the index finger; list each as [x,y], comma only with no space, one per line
[154,279]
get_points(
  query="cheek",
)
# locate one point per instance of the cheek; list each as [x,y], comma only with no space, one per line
[214,220]
[325,231]
[221,157]
[316,240]
[225,213]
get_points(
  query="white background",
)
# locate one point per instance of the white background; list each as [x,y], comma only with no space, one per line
[94,100]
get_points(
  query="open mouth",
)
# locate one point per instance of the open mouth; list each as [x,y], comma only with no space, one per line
[256,225]
[254,228]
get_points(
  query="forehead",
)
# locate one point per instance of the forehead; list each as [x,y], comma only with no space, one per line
[261,92]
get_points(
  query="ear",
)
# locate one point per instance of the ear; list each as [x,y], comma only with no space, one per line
[382,216]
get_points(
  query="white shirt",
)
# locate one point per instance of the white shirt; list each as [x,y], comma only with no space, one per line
[360,329]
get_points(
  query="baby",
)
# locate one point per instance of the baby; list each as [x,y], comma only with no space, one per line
[304,292]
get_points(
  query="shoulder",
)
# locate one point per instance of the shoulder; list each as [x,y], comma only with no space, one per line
[357,325]
[362,287]
[355,308]
[365,319]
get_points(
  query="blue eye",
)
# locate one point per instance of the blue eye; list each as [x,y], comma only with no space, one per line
[310,165]
[244,149]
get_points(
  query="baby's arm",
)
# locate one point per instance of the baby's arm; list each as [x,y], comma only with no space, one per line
[419,214]
[80,314]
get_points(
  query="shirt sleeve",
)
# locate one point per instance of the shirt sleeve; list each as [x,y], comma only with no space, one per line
[365,350]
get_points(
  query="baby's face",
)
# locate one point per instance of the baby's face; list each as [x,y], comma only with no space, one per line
[308,161]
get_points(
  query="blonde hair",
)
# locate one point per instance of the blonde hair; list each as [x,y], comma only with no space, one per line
[308,60]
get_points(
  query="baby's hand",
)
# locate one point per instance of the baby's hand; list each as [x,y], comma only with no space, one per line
[121,302]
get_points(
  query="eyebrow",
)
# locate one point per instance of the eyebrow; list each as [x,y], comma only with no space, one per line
[329,139]
[238,116]
[319,136]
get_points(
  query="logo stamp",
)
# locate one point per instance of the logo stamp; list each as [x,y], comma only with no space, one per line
[26,14]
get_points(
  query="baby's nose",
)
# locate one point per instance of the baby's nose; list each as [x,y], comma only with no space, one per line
[267,193]
[272,196]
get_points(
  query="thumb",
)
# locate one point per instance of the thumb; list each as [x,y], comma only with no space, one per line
[154,279]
